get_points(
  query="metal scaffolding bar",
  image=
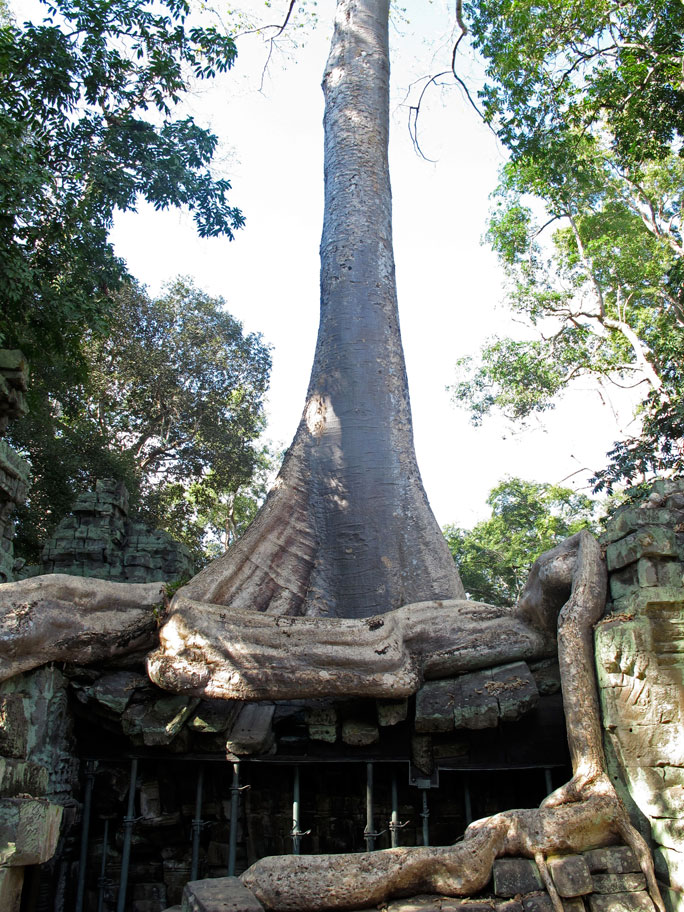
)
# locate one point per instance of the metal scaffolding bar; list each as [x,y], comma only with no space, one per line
[197,825]
[369,832]
[128,824]
[102,881]
[394,822]
[425,814]
[91,766]
[235,790]
[296,832]
[548,780]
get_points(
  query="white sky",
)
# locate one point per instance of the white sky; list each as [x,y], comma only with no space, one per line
[450,286]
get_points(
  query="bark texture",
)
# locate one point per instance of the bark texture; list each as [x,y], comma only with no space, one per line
[347,531]
[585,813]
[227,653]
[74,619]
[236,653]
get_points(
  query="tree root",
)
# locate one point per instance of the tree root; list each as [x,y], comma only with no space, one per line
[232,653]
[64,618]
[585,813]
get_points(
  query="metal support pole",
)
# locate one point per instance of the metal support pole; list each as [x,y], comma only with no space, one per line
[128,824]
[394,823]
[467,801]
[234,803]
[425,814]
[395,826]
[369,832]
[91,766]
[102,881]
[197,825]
[235,790]
[296,833]
[296,837]
[548,780]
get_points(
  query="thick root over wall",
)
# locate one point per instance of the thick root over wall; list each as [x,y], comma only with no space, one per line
[583,814]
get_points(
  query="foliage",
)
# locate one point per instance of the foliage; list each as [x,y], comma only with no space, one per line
[224,513]
[171,403]
[588,99]
[528,518]
[87,127]
[555,68]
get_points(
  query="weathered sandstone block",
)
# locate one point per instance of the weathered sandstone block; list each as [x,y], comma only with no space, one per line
[29,830]
[220,894]
[570,875]
[513,876]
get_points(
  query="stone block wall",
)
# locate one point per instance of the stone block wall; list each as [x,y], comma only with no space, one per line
[100,540]
[640,665]
[14,471]
[38,780]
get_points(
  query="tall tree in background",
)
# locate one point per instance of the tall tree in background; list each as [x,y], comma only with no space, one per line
[172,405]
[347,530]
[527,518]
[589,101]
[87,126]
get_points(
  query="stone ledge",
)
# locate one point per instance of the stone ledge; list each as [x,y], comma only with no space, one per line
[220,894]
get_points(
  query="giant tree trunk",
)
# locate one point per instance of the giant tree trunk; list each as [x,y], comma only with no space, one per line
[347,531]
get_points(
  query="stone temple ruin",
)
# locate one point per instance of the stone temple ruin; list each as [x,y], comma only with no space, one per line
[98,539]
[118,795]
[320,719]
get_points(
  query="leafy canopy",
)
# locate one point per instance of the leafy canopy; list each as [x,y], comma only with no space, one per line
[172,404]
[87,126]
[588,99]
[527,518]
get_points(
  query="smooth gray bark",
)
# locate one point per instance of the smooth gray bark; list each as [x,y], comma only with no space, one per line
[348,531]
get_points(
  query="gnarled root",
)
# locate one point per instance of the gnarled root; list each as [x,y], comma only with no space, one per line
[585,813]
[306,883]
[72,618]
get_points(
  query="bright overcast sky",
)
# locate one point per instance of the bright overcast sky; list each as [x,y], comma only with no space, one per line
[450,287]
